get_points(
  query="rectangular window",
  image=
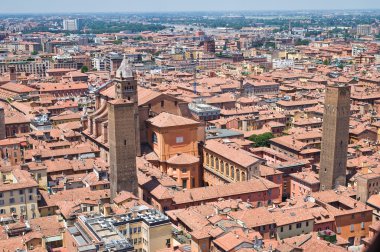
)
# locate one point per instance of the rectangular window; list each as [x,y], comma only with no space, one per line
[21,199]
[179,139]
[282,229]
[184,183]
[1,202]
[298,225]
[362,225]
[31,189]
[3,211]
[11,200]
[307,223]
[13,210]
[290,227]
[352,227]
[21,191]
[1,195]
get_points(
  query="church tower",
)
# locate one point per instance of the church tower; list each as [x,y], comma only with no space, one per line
[335,137]
[123,132]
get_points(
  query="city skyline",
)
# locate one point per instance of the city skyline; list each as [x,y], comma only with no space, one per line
[202,126]
[45,6]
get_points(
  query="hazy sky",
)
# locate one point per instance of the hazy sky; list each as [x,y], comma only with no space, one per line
[39,6]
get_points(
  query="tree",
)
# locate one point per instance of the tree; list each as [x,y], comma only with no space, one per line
[84,69]
[261,140]
[117,42]
[299,42]
[326,62]
[34,53]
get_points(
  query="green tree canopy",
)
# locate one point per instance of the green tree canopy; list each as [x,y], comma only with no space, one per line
[84,69]
[326,62]
[117,42]
[261,140]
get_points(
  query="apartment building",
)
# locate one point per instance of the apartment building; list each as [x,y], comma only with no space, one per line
[18,193]
[303,183]
[352,217]
[11,150]
[143,230]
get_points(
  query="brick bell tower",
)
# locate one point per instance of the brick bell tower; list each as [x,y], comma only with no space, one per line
[123,132]
[335,137]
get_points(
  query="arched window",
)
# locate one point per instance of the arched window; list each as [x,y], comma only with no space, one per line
[212,161]
[227,170]
[217,164]
[154,137]
[221,167]
[207,159]
[237,175]
[243,176]
[232,173]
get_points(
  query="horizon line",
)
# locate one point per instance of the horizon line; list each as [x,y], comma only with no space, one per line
[185,11]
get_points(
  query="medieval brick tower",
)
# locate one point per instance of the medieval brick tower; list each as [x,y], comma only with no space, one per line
[2,124]
[335,137]
[123,132]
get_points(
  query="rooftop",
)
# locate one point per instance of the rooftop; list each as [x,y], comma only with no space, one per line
[165,119]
